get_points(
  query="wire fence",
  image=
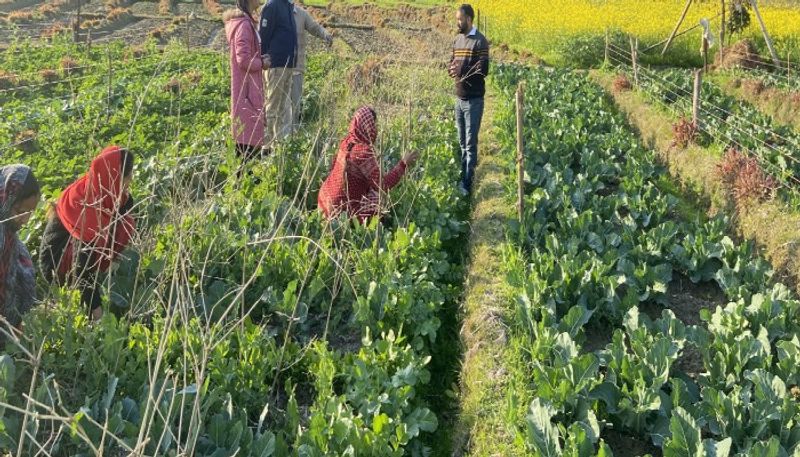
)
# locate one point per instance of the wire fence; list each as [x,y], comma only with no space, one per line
[728,136]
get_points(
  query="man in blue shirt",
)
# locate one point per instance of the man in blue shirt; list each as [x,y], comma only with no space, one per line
[278,33]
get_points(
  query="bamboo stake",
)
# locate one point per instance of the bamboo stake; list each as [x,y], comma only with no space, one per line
[110,76]
[520,156]
[722,34]
[677,26]
[698,84]
[767,38]
[635,60]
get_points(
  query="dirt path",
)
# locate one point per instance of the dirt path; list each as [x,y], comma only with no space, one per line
[486,308]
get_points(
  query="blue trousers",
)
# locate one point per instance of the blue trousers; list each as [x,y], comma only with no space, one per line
[468,121]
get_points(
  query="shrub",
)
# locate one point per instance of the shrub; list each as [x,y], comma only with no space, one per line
[622,83]
[684,133]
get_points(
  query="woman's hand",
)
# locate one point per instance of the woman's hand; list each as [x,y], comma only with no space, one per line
[410,158]
[126,207]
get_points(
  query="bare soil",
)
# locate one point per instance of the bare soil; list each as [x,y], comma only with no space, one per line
[627,446]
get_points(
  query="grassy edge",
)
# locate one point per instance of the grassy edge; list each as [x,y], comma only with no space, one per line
[774,227]
[776,103]
[487,367]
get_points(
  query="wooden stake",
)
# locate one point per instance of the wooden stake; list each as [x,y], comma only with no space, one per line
[789,64]
[705,53]
[677,26]
[110,76]
[660,43]
[520,156]
[635,60]
[77,29]
[605,60]
[722,34]
[767,38]
[698,84]
[186,35]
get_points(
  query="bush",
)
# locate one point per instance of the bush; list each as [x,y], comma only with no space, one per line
[622,83]
[684,133]
[744,179]
[583,51]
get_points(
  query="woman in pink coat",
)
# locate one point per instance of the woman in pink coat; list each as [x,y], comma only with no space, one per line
[247,83]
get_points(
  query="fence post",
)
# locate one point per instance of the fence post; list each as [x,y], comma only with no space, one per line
[698,84]
[520,155]
[789,64]
[110,76]
[77,26]
[186,35]
[705,52]
[635,60]
[605,59]
[722,34]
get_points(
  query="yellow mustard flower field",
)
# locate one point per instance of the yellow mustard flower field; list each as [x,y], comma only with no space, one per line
[541,25]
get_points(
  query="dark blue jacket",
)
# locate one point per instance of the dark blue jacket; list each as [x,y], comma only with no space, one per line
[278,33]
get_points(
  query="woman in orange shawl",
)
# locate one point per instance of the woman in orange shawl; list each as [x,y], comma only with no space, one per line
[90,226]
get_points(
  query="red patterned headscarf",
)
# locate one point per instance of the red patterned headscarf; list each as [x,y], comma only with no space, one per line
[17,275]
[363,131]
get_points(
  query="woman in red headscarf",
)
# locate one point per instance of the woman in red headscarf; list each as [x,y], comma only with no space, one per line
[90,226]
[356,180]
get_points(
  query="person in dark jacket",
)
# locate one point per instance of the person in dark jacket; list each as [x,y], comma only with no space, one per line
[469,67]
[278,33]
[91,226]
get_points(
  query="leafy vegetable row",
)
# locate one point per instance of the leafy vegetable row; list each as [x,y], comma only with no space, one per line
[600,247]
[257,328]
[730,121]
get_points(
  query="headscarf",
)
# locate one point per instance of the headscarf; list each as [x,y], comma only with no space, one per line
[363,131]
[17,274]
[89,206]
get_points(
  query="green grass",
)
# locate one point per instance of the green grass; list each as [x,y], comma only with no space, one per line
[777,103]
[491,380]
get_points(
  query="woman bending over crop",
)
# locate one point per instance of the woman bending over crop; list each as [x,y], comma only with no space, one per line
[90,226]
[19,196]
[356,180]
